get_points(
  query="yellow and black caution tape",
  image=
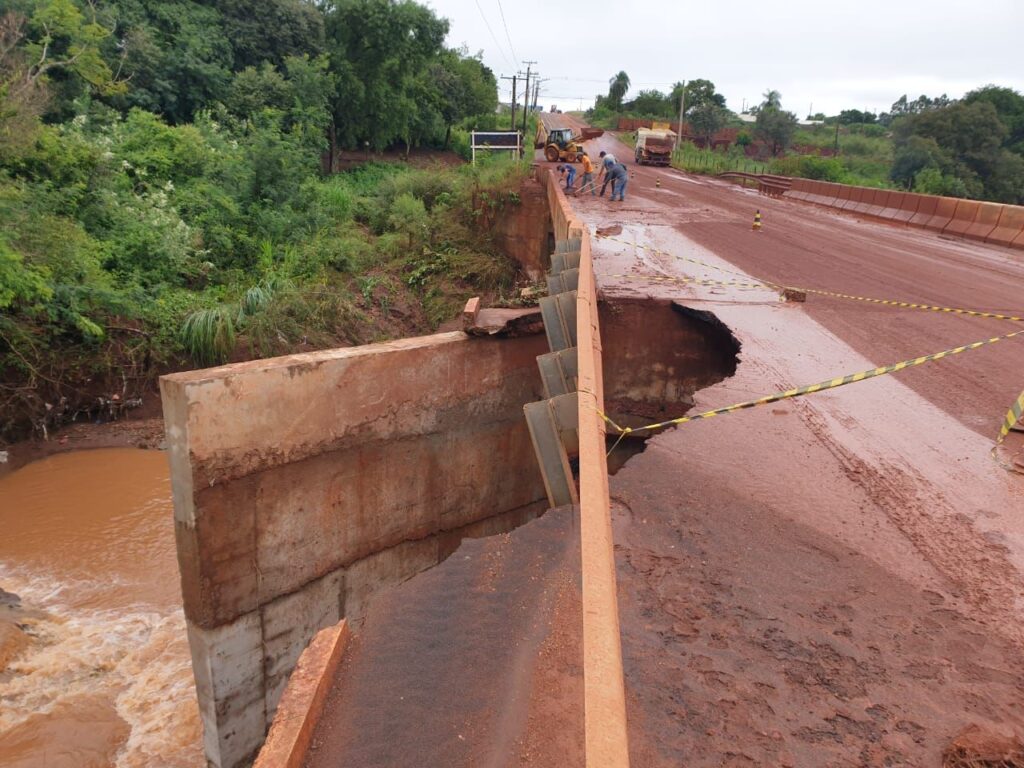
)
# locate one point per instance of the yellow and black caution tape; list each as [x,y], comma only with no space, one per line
[822,386]
[696,281]
[911,305]
[1013,417]
[688,259]
[821,292]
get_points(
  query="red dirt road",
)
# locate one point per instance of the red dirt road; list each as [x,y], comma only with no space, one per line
[834,580]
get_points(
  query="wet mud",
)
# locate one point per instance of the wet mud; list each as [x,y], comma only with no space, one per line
[835,580]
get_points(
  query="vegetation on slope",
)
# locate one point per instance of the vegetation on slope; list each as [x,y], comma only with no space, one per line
[163,201]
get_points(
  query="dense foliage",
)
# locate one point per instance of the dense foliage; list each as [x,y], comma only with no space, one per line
[162,193]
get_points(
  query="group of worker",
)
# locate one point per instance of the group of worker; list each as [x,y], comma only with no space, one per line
[612,172]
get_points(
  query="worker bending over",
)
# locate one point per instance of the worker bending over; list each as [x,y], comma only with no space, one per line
[608,162]
[619,176]
[569,171]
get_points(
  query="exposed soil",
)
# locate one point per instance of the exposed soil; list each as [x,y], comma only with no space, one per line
[836,580]
[476,662]
[139,428]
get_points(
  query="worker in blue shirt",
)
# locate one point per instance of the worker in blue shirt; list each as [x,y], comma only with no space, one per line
[569,171]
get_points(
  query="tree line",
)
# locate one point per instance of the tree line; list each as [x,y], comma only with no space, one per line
[162,183]
[969,147]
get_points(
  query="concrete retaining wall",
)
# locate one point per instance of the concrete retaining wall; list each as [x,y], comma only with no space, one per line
[302,484]
[605,733]
[971,219]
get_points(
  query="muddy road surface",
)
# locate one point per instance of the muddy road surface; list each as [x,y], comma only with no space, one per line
[834,580]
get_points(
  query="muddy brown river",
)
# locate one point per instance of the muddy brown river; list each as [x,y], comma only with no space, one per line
[87,543]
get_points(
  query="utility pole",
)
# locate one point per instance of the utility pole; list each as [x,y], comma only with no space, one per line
[513,79]
[682,109]
[526,94]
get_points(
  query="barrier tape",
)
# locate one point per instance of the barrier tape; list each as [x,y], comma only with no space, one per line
[1013,417]
[911,305]
[697,281]
[826,385]
[819,292]
[686,258]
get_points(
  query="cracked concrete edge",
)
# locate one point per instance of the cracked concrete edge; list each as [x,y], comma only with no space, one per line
[303,701]
[605,729]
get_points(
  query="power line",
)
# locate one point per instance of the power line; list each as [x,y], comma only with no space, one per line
[507,35]
[494,37]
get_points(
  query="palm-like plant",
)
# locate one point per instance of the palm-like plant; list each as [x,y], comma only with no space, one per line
[617,88]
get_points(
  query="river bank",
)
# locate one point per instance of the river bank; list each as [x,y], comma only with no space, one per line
[142,427]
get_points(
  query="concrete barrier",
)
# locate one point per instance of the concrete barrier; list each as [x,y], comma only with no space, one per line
[844,197]
[862,200]
[945,207]
[908,204]
[301,484]
[303,701]
[964,215]
[890,205]
[605,732]
[800,190]
[877,203]
[828,192]
[1010,226]
[971,219]
[927,205]
[814,193]
[985,222]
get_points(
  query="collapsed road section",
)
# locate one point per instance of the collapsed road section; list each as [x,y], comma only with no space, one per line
[833,579]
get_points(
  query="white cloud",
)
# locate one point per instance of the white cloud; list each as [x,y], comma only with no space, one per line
[862,55]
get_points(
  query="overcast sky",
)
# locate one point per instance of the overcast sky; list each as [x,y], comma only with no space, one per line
[853,54]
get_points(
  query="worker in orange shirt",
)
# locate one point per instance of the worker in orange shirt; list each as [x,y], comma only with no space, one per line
[588,175]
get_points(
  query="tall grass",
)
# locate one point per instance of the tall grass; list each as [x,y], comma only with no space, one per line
[208,335]
[695,160]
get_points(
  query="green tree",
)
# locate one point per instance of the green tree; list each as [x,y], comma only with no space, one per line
[465,87]
[650,102]
[973,140]
[378,50]
[699,93]
[774,125]
[856,117]
[53,42]
[271,30]
[176,54]
[617,88]
[1009,106]
[254,89]
[707,120]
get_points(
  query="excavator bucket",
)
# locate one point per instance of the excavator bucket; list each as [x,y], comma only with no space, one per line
[591,133]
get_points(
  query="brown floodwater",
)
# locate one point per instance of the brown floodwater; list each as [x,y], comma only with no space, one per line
[87,539]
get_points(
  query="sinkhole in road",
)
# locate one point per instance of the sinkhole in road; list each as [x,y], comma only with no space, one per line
[657,354]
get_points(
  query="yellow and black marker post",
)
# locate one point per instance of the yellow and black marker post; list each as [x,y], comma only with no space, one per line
[757,221]
[657,182]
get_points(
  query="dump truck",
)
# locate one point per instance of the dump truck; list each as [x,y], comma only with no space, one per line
[561,144]
[654,147]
